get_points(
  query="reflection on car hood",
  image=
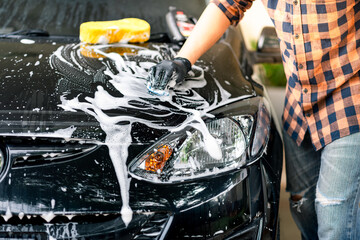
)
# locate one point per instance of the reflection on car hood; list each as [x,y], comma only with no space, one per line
[39,81]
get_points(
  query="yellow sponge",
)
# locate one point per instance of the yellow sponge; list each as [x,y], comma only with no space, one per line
[124,30]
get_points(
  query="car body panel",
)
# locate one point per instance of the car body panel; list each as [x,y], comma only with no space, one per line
[31,87]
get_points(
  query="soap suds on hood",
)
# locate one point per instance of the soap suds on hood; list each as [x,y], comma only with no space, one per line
[129,80]
[27,41]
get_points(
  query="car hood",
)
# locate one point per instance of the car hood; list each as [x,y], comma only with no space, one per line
[96,93]
[68,89]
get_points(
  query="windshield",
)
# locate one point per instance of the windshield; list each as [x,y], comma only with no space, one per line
[63,17]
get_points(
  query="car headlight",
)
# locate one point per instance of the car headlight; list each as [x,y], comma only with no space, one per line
[182,155]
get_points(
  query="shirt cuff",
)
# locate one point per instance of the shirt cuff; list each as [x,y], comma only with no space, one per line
[233,9]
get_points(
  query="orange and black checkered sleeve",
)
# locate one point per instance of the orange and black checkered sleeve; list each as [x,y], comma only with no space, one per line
[233,9]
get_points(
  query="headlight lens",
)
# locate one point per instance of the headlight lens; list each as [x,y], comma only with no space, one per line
[182,156]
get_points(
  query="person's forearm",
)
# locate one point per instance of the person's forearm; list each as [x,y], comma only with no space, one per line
[211,26]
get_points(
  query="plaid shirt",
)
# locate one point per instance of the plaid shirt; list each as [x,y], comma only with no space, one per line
[320,47]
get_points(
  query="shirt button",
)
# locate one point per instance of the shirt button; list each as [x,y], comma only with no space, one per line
[305,90]
[297,36]
[295,2]
[301,66]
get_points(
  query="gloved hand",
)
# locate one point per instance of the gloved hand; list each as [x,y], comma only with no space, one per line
[168,70]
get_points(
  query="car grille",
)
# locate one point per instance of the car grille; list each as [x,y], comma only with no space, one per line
[109,226]
[25,152]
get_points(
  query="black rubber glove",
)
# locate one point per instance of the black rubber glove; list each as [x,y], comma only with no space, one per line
[167,70]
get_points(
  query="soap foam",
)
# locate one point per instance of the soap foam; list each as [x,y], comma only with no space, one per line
[130,81]
[27,41]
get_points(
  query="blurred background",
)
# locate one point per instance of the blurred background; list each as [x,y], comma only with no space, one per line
[253,22]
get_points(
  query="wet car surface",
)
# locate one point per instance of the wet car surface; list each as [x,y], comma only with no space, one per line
[89,153]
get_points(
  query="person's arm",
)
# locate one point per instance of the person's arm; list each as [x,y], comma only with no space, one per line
[210,27]
[212,24]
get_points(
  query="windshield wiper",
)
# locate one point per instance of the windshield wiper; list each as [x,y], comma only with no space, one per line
[27,33]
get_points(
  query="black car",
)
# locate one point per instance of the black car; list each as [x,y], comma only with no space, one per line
[88,153]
